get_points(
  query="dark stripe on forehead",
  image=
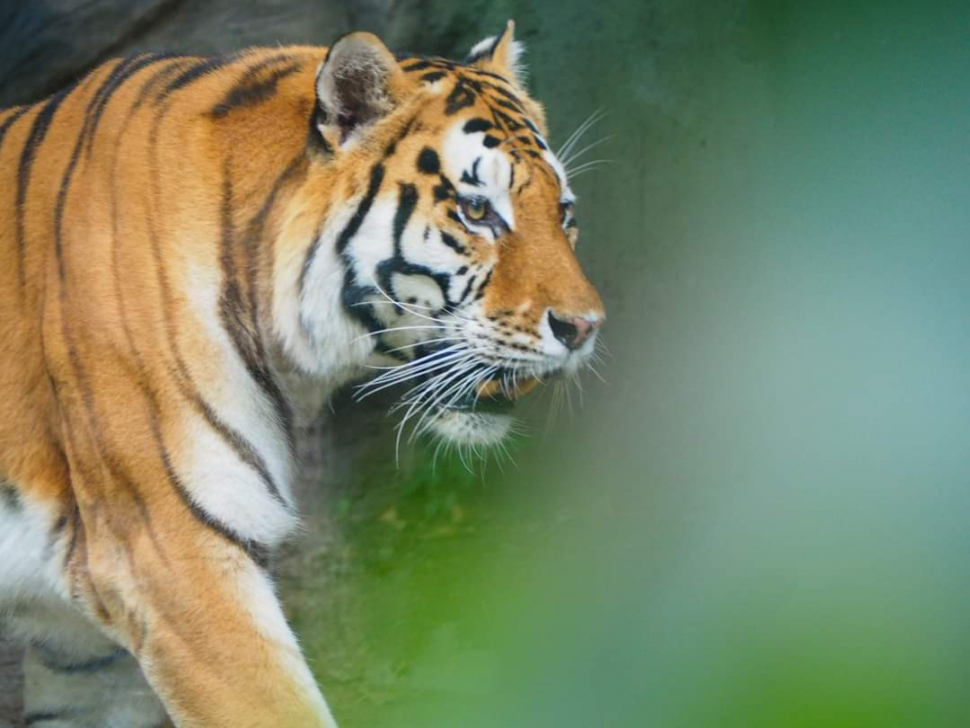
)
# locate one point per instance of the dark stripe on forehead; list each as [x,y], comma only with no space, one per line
[510,100]
[510,123]
[483,72]
[477,124]
[506,104]
[422,64]
[461,97]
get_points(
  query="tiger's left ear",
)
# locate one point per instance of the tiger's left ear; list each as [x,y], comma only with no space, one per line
[501,54]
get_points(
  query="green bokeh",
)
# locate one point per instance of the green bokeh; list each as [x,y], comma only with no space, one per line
[764,518]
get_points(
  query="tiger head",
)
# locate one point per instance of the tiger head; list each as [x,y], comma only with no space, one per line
[453,243]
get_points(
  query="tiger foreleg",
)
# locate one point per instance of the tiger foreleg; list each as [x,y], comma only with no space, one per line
[211,639]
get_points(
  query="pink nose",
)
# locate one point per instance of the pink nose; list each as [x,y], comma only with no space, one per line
[573,331]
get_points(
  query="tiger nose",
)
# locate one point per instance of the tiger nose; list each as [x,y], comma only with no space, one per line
[573,331]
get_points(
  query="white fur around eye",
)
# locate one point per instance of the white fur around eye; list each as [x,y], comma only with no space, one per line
[459,151]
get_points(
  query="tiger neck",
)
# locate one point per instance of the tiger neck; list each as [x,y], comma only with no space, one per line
[309,320]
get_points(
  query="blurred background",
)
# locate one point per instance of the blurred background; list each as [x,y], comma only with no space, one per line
[762,516]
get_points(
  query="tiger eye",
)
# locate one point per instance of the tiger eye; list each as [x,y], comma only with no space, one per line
[475,209]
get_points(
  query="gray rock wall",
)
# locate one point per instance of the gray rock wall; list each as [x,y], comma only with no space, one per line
[45,44]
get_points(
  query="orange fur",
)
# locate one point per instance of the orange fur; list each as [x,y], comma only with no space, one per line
[129,206]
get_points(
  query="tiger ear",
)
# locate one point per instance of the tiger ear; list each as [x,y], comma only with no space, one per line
[501,54]
[355,85]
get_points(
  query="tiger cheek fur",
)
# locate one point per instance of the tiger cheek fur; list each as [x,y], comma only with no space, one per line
[181,226]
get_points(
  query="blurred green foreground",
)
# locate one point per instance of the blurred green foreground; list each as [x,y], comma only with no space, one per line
[763,519]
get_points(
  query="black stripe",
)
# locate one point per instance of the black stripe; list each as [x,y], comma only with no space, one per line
[36,137]
[253,91]
[193,74]
[59,526]
[428,161]
[472,178]
[161,76]
[254,233]
[461,96]
[420,65]
[510,123]
[94,108]
[69,173]
[242,325]
[450,241]
[42,716]
[76,525]
[481,288]
[506,104]
[119,75]
[184,380]
[392,147]
[255,550]
[107,459]
[376,177]
[457,218]
[444,190]
[407,201]
[10,497]
[474,70]
[10,120]
[56,662]
[468,289]
[242,448]
[476,125]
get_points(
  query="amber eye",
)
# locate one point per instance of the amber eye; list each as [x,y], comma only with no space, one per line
[475,208]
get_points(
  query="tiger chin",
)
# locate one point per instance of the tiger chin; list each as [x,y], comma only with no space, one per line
[176,227]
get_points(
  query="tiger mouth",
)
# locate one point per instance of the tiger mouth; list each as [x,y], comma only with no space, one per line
[498,394]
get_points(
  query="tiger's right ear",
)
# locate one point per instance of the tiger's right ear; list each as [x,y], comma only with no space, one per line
[356,87]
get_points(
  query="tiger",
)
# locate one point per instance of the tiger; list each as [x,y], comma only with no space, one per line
[181,231]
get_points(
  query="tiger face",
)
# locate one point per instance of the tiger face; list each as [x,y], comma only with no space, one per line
[458,259]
